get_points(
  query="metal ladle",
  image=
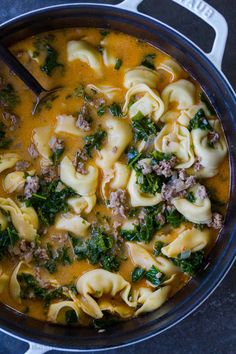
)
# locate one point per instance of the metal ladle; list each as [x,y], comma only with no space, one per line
[11,61]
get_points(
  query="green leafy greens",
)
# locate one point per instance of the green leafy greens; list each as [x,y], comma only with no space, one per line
[49,200]
[200,121]
[143,127]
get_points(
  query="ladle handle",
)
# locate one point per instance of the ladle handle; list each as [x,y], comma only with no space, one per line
[11,61]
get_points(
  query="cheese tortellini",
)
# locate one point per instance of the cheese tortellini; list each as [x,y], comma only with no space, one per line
[85,52]
[140,75]
[8,160]
[182,92]
[98,282]
[197,211]
[189,240]
[57,311]
[80,204]
[24,219]
[149,105]
[84,185]
[72,223]
[66,125]
[119,135]
[176,139]
[41,137]
[210,156]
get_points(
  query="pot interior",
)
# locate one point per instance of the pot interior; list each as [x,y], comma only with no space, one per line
[223,100]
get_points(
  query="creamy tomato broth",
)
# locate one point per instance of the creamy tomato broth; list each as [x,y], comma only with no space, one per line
[115,190]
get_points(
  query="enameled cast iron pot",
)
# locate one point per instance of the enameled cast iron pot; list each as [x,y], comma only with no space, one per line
[206,68]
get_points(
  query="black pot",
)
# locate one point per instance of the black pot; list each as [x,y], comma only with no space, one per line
[223,98]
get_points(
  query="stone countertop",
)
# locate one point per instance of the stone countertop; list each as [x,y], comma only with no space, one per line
[211,329]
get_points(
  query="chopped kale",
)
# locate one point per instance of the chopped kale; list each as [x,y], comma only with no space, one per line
[148,61]
[8,97]
[133,156]
[56,156]
[94,141]
[4,141]
[138,274]
[191,197]
[55,294]
[101,110]
[97,249]
[106,322]
[51,61]
[174,218]
[159,156]
[143,127]
[49,201]
[157,248]
[110,262]
[79,91]
[200,121]
[61,256]
[80,247]
[149,183]
[30,287]
[8,238]
[192,264]
[118,64]
[115,110]
[205,100]
[155,276]
[104,33]
[144,231]
[71,317]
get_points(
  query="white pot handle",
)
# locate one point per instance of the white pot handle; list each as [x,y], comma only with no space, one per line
[208,14]
[35,348]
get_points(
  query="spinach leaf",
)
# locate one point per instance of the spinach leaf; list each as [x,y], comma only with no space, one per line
[51,61]
[148,61]
[144,231]
[8,238]
[138,274]
[71,317]
[155,276]
[49,200]
[199,121]
[118,64]
[4,141]
[94,142]
[101,110]
[143,127]
[157,248]
[192,264]
[191,197]
[133,156]
[116,110]
[174,218]
[150,183]
[205,100]
[106,322]
[8,97]
[56,156]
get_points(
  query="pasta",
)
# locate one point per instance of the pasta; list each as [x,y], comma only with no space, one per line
[85,185]
[198,211]
[115,190]
[182,92]
[119,136]
[72,223]
[149,105]
[140,75]
[176,139]
[66,125]
[85,52]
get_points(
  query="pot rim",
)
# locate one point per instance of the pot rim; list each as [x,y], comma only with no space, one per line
[205,293]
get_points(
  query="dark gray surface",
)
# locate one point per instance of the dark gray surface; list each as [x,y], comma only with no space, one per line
[212,328]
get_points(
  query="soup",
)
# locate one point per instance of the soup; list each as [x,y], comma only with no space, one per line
[115,190]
